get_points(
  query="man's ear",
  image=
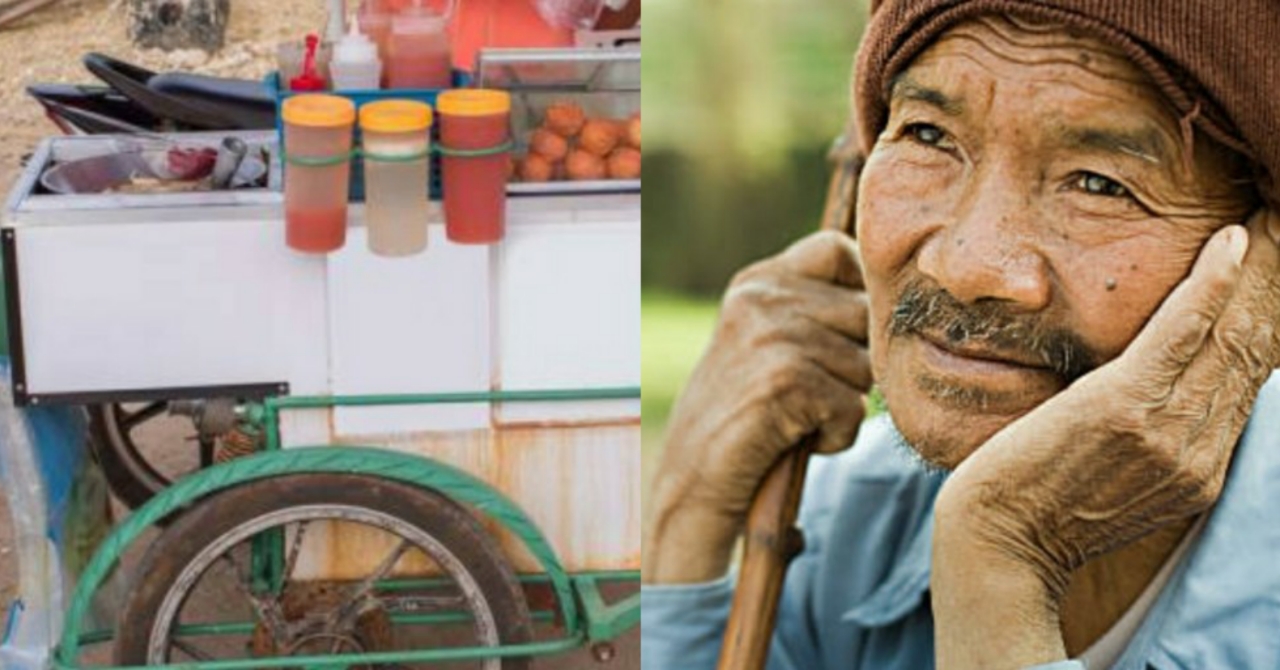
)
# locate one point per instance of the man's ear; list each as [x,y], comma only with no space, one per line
[842,192]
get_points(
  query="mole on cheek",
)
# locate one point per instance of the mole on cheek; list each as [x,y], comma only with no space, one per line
[1133,267]
[959,241]
[1110,284]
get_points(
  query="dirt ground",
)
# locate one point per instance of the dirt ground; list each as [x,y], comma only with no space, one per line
[46,47]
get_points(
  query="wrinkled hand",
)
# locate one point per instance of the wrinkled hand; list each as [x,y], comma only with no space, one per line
[1141,442]
[787,360]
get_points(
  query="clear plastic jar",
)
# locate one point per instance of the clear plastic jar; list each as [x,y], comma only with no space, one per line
[317,144]
[419,55]
[396,139]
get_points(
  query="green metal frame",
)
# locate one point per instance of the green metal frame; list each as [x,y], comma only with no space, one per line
[595,621]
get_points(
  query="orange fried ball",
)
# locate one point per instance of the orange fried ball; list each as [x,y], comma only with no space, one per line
[582,166]
[633,131]
[599,136]
[536,168]
[564,119]
[624,163]
[548,145]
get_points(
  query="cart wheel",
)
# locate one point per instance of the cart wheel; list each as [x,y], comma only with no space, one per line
[198,573]
[117,432]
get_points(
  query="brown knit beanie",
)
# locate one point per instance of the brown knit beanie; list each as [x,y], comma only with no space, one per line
[1218,63]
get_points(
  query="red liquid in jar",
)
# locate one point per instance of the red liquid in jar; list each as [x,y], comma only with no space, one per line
[475,188]
[316,230]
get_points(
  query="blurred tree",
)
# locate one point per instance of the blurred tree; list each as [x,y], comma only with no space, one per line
[741,101]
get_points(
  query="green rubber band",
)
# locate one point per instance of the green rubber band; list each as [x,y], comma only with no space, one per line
[396,158]
[474,153]
[319,161]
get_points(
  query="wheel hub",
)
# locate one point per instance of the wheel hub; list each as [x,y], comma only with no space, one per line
[311,625]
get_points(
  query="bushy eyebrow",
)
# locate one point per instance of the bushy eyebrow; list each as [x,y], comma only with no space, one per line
[905,88]
[1145,143]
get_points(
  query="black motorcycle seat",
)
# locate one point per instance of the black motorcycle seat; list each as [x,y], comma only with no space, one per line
[248,101]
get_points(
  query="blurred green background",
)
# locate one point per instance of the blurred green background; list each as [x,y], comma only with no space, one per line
[741,102]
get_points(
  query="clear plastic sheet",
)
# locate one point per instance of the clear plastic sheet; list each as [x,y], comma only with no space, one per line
[572,14]
[59,504]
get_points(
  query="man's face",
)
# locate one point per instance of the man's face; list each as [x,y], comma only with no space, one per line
[1029,204]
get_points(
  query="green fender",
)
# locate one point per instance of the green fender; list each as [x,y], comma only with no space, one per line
[373,461]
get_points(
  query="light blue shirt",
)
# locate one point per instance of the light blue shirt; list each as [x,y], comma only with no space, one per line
[857,598]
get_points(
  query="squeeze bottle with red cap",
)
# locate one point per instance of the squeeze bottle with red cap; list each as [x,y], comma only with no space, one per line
[310,79]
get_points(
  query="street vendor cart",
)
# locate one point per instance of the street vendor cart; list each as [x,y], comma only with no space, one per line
[444,449]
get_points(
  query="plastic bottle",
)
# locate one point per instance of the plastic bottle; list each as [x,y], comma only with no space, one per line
[419,53]
[355,65]
[335,22]
[476,122]
[396,138]
[374,19]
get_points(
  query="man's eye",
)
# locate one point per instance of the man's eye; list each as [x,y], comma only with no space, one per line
[926,133]
[1096,184]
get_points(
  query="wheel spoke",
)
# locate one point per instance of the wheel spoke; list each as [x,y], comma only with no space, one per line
[362,590]
[387,564]
[294,549]
[191,650]
[268,611]
[131,420]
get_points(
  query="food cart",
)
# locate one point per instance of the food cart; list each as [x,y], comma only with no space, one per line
[447,446]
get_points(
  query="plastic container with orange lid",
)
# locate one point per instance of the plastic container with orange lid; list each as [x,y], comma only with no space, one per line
[317,148]
[475,139]
[396,144]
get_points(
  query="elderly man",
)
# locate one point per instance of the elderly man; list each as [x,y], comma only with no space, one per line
[1066,281]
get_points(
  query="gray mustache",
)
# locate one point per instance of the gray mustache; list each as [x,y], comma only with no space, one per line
[991,326]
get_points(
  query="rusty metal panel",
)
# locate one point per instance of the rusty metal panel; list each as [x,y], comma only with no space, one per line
[579,484]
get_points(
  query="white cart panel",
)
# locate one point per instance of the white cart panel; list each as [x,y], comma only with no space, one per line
[569,313]
[154,305]
[410,325]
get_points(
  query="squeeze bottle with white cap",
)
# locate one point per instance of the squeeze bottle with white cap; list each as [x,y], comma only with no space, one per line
[355,65]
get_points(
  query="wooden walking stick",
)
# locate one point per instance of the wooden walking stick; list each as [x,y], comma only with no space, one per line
[771,538]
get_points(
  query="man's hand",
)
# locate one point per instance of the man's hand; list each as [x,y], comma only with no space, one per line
[788,360]
[1141,442]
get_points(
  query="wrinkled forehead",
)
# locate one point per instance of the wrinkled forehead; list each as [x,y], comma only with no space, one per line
[967,59]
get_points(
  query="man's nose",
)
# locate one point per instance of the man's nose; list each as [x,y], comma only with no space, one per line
[987,251]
